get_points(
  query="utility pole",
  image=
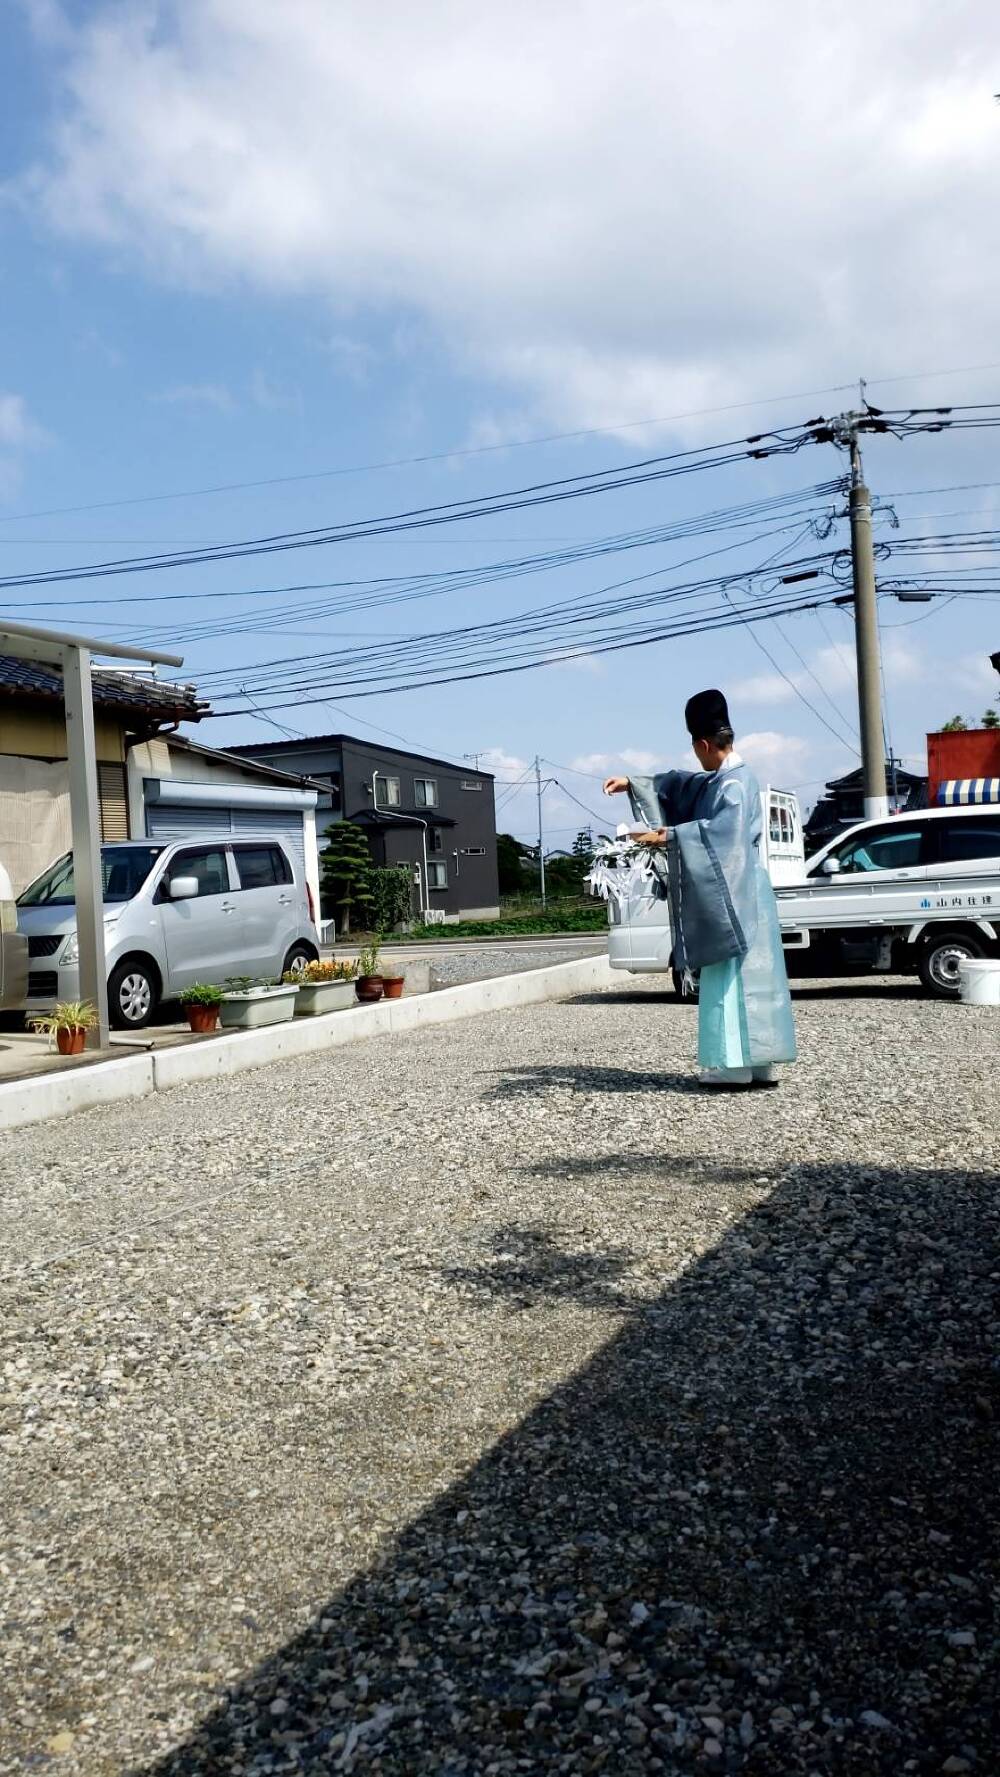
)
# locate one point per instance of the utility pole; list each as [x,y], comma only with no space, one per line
[844,432]
[866,641]
[541,842]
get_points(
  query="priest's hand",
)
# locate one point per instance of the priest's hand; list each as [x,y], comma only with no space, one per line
[651,836]
[614,786]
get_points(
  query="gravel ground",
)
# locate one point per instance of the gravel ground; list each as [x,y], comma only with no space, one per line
[489,1400]
[450,969]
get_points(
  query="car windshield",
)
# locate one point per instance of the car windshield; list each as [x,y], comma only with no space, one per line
[124,868]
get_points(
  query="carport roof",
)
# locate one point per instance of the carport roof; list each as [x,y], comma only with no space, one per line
[128,692]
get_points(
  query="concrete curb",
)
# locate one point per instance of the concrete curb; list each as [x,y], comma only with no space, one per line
[135,1076]
[78,1089]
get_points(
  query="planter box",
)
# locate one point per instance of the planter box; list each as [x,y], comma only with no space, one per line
[256,1007]
[316,997]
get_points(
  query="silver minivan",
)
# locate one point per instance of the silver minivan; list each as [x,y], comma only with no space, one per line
[192,910]
[13,950]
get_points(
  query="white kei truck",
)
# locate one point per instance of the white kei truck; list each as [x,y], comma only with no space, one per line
[913,893]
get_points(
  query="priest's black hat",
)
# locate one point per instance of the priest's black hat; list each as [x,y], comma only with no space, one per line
[705,713]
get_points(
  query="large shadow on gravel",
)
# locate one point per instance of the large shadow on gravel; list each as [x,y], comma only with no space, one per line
[757,1533]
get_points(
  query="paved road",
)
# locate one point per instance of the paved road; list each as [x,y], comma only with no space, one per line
[491,1400]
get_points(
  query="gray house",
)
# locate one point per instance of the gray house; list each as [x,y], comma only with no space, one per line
[437,818]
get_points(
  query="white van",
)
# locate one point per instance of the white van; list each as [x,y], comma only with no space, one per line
[640,939]
[912,893]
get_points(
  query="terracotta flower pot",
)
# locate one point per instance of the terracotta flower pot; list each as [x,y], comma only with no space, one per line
[392,986]
[369,987]
[71,1042]
[202,1019]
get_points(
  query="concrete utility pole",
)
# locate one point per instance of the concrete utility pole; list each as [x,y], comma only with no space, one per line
[866,640]
[541,843]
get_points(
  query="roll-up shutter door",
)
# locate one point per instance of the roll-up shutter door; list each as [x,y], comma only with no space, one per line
[286,823]
[180,821]
[165,821]
[113,799]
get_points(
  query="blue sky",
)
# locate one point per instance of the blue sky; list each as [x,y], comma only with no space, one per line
[242,243]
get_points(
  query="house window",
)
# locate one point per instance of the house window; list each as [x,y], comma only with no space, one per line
[387,792]
[435,839]
[425,792]
[437,876]
[467,784]
[475,851]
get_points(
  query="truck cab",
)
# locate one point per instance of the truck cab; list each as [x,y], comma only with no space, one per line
[914,892]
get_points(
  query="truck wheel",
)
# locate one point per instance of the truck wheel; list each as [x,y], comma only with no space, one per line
[689,993]
[937,964]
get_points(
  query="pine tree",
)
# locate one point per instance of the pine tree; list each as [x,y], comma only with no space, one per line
[991,719]
[347,873]
[583,848]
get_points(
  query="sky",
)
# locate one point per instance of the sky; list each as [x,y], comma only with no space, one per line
[341,261]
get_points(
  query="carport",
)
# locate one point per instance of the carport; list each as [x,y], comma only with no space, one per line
[73,656]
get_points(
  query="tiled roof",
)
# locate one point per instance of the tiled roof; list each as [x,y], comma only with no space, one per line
[152,698]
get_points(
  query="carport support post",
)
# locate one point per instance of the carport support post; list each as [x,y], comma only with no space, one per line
[85,815]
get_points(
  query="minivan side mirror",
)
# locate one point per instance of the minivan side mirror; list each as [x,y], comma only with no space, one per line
[831,866]
[183,888]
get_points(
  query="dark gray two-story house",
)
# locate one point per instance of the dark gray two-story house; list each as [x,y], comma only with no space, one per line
[438,819]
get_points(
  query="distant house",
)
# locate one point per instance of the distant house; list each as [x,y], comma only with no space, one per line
[844,803]
[437,818]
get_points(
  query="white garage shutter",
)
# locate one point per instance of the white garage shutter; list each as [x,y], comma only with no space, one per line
[166,821]
[169,820]
[286,823]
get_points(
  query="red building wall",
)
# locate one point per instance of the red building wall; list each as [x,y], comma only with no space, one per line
[974,752]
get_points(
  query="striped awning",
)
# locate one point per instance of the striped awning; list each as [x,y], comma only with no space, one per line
[960,790]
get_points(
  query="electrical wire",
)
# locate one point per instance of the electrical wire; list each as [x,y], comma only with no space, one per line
[477,450]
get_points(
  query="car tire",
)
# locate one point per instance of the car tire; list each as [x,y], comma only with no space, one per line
[297,957]
[937,964]
[688,994]
[133,993]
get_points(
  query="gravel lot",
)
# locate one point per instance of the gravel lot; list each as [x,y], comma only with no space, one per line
[450,968]
[489,1400]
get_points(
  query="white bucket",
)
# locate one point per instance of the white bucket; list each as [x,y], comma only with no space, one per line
[979,982]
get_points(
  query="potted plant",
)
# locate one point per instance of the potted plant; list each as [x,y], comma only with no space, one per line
[248,1004]
[369,983]
[324,987]
[201,1002]
[68,1025]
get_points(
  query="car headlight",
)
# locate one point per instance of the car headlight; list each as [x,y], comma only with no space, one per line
[71,954]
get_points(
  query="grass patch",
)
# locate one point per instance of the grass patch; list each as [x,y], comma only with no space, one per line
[551,923]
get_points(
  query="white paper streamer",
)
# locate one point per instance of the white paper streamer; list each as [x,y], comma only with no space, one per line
[621,869]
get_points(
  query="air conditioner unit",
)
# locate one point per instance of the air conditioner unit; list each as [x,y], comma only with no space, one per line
[434,916]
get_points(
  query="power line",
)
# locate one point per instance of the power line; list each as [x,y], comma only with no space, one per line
[478,450]
[569,487]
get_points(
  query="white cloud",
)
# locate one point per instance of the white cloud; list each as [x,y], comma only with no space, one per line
[272,396]
[18,431]
[619,213]
[776,758]
[602,765]
[199,395]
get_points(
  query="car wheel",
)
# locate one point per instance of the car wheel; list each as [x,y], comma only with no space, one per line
[938,963]
[133,994]
[297,957]
[688,992]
